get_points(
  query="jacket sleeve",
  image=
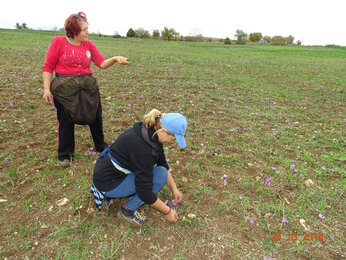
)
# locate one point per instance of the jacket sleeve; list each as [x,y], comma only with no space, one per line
[52,56]
[162,159]
[142,161]
[96,56]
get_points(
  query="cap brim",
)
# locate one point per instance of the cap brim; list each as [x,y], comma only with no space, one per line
[181,141]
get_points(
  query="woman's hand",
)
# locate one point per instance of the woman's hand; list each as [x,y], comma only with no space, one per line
[172,216]
[177,195]
[122,60]
[47,96]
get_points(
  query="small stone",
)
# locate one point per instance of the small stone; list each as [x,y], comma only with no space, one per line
[90,210]
[250,164]
[2,200]
[184,179]
[62,202]
[50,209]
[44,226]
[191,215]
[309,183]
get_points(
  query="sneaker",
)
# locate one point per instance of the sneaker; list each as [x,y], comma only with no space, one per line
[107,202]
[64,163]
[133,217]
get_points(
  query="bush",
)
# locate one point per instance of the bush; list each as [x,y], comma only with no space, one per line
[290,39]
[278,40]
[267,39]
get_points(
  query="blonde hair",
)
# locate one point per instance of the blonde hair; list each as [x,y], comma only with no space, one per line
[152,119]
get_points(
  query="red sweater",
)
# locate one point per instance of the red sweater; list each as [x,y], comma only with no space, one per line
[68,59]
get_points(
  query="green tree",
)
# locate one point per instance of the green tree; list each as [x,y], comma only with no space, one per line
[141,33]
[241,36]
[18,26]
[290,39]
[131,33]
[156,33]
[169,33]
[227,41]
[255,37]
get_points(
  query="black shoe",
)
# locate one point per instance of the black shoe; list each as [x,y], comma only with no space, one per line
[107,202]
[100,148]
[133,216]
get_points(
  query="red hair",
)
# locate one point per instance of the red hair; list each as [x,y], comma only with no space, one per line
[72,24]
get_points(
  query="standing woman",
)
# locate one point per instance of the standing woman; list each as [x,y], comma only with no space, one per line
[135,165]
[74,91]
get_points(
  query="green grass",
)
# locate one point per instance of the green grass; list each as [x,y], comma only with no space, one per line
[252,111]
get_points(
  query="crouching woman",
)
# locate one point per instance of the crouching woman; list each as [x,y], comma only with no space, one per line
[135,166]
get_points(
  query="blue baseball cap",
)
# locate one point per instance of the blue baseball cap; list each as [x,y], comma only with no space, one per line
[176,124]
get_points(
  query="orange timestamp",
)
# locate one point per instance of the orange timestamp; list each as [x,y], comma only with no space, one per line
[307,236]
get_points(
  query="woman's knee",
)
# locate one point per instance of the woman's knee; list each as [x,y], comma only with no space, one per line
[160,174]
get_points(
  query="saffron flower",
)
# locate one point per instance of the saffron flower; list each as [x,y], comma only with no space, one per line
[331,170]
[284,220]
[266,258]
[313,137]
[251,222]
[320,216]
[174,203]
[274,153]
[292,166]
[240,197]
[225,176]
[94,154]
[7,159]
[273,168]
[324,168]
[86,154]
[301,175]
[166,202]
[268,180]
[91,148]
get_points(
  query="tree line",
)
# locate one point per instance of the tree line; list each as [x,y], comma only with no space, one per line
[169,34]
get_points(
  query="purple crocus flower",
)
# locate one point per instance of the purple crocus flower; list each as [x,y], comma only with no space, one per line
[284,220]
[266,258]
[324,168]
[86,154]
[174,203]
[274,153]
[202,145]
[166,202]
[225,176]
[301,175]
[268,180]
[11,105]
[240,197]
[251,222]
[295,170]
[331,170]
[273,168]
[7,159]
[292,166]
[94,153]
[320,216]
[313,137]
[91,148]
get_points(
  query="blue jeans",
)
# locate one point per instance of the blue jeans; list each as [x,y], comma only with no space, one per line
[128,188]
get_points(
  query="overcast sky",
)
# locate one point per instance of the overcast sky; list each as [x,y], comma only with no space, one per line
[314,22]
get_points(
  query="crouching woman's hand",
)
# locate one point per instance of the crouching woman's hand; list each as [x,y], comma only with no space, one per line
[171,216]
